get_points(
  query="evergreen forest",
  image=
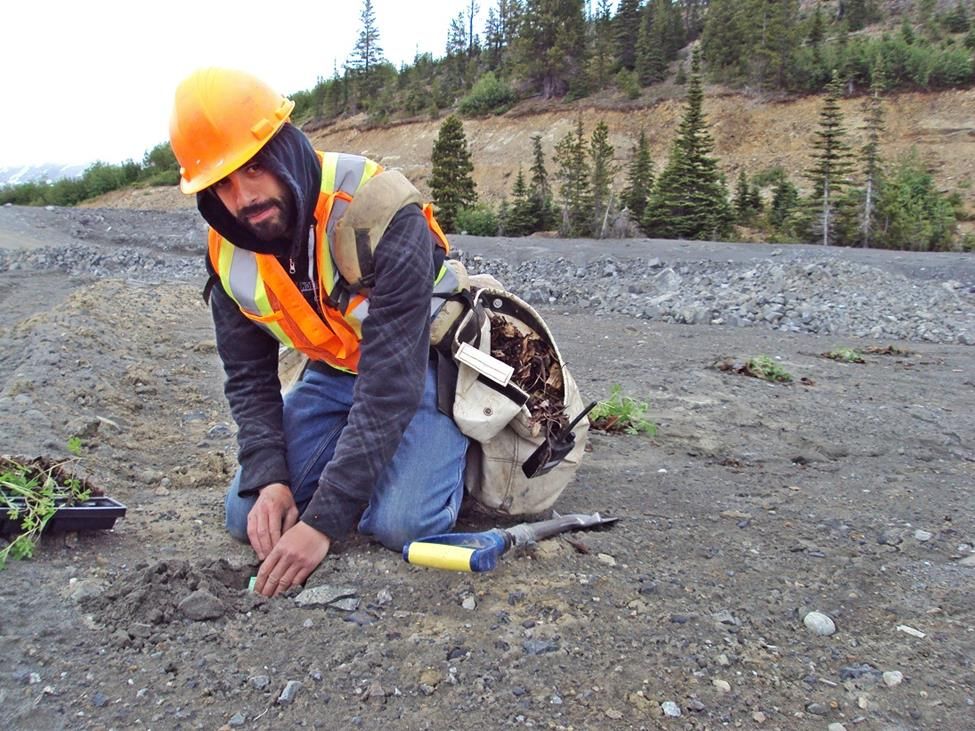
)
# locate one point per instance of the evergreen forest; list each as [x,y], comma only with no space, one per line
[570,49]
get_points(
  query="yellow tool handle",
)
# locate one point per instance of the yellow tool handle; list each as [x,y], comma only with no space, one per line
[439,556]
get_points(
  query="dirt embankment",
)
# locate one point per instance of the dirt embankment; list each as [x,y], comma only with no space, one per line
[750,133]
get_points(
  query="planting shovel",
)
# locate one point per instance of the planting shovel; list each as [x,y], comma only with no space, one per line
[554,449]
[480,551]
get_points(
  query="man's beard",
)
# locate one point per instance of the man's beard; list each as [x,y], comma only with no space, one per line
[272,228]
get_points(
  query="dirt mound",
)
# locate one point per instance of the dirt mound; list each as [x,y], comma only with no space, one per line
[143,602]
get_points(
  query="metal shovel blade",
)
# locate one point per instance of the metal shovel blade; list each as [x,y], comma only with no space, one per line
[554,449]
[527,533]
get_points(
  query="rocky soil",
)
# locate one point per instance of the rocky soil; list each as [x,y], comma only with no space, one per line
[755,509]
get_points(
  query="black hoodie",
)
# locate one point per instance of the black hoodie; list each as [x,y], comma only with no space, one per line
[394,352]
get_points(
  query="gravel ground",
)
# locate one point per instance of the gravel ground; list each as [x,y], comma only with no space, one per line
[795,556]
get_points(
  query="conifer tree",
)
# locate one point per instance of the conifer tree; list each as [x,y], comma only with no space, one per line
[574,176]
[690,200]
[367,54]
[521,219]
[627,25]
[831,164]
[785,201]
[603,45]
[742,200]
[639,179]
[552,44]
[870,155]
[651,60]
[957,20]
[540,189]
[451,181]
[601,155]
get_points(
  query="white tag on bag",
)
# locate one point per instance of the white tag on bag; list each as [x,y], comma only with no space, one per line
[487,365]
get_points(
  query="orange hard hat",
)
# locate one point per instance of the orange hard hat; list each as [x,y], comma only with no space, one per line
[221,118]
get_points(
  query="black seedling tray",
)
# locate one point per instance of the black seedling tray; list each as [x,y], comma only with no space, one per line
[97,513]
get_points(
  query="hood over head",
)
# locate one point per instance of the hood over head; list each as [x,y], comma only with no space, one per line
[290,156]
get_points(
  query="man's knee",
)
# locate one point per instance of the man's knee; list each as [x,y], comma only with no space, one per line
[236,510]
[395,528]
[236,527]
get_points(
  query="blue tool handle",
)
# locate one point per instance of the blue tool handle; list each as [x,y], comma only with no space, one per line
[458,551]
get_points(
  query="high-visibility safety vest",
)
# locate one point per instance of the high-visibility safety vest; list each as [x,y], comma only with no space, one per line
[267,295]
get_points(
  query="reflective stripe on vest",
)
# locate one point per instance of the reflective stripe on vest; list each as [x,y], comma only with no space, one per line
[268,296]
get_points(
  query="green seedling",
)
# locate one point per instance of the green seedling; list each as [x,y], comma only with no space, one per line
[764,367]
[29,494]
[621,413]
[74,446]
[845,355]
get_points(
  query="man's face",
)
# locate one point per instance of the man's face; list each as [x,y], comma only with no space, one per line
[256,198]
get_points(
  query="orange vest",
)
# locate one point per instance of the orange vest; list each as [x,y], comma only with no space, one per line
[267,295]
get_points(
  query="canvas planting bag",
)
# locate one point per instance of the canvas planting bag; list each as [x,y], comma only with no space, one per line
[496,416]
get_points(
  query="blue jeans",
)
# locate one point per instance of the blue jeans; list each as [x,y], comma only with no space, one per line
[420,492]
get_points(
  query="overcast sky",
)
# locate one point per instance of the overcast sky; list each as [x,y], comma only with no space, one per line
[90,80]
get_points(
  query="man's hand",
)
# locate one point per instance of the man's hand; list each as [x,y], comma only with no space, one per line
[295,556]
[273,514]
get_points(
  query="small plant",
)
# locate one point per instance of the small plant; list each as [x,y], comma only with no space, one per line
[30,493]
[845,355]
[74,446]
[764,367]
[621,413]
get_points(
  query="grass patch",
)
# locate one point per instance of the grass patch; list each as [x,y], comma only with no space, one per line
[621,413]
[761,366]
[845,355]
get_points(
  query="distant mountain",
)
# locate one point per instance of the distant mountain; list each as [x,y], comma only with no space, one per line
[35,173]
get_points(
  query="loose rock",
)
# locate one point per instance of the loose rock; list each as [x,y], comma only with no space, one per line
[819,624]
[291,689]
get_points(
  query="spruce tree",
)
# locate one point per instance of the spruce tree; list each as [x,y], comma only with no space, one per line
[451,181]
[742,200]
[521,219]
[574,176]
[540,189]
[651,64]
[627,25]
[870,155]
[367,54]
[831,164]
[785,201]
[690,200]
[552,44]
[639,179]
[602,57]
[603,169]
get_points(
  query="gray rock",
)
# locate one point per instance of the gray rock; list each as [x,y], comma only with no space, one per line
[893,678]
[237,720]
[817,709]
[539,647]
[99,700]
[670,709]
[259,682]
[324,595]
[201,605]
[819,624]
[289,693]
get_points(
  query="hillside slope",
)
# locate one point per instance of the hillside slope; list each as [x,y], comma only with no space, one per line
[750,132]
